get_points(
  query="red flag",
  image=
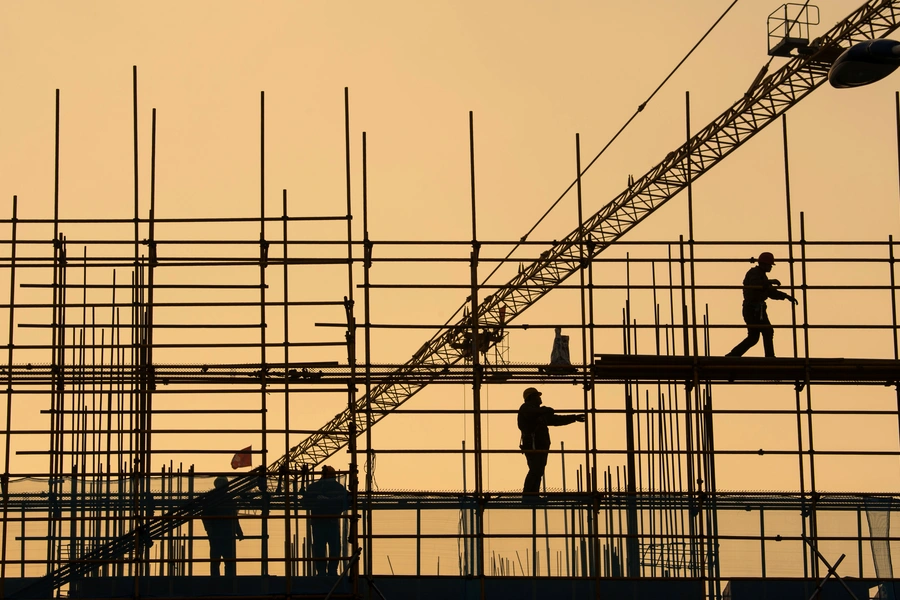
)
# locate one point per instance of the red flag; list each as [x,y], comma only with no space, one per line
[242,458]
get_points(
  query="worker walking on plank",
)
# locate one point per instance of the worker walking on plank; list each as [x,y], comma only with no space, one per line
[757,288]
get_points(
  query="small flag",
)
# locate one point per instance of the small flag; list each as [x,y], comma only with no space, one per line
[243,458]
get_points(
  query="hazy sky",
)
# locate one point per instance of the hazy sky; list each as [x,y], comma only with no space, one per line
[534,74]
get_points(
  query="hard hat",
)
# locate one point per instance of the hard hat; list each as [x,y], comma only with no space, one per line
[327,472]
[221,482]
[766,258]
[530,392]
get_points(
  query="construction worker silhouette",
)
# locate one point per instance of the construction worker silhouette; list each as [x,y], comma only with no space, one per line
[757,288]
[222,528]
[534,421]
[326,501]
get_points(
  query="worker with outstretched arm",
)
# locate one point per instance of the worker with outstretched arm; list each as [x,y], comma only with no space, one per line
[534,421]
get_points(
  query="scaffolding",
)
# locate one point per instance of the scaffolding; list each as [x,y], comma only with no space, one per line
[129,411]
[145,351]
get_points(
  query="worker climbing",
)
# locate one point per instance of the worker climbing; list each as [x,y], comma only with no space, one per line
[757,288]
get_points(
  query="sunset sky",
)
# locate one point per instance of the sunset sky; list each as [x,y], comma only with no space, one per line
[534,74]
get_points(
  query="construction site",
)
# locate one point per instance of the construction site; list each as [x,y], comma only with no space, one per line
[160,368]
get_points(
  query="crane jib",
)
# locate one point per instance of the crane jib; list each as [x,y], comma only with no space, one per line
[766,100]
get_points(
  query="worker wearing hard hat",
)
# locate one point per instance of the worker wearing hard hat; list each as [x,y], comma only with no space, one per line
[220,520]
[326,500]
[757,289]
[534,420]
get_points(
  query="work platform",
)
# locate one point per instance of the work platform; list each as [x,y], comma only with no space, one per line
[608,368]
[448,587]
[726,369]
[252,503]
[382,586]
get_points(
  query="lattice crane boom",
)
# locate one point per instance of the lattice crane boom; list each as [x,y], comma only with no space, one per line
[769,97]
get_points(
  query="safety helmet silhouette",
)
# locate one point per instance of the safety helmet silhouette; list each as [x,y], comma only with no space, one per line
[766,258]
[529,392]
[328,472]
[221,482]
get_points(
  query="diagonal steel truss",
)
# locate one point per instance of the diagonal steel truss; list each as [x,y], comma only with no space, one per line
[767,99]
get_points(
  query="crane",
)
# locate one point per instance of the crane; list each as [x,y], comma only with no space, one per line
[768,97]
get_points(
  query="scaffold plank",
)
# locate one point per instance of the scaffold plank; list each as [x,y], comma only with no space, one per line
[724,369]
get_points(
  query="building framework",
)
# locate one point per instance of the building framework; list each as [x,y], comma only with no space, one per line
[643,507]
[135,350]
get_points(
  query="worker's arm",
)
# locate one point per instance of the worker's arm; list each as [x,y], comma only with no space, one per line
[758,280]
[550,419]
[778,294]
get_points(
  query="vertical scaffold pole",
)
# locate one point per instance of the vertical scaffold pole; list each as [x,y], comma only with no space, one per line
[692,475]
[790,228]
[632,545]
[140,468]
[811,509]
[285,477]
[476,371]
[367,267]
[797,390]
[892,261]
[58,359]
[700,431]
[9,396]
[587,359]
[351,363]
[263,358]
[150,369]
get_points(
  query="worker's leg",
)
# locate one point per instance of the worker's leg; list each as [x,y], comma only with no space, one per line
[229,554]
[768,334]
[537,462]
[215,556]
[332,535]
[751,314]
[319,545]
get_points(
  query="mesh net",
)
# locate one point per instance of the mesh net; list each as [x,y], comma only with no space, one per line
[878,514]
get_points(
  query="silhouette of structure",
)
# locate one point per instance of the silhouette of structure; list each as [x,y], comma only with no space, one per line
[107,320]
